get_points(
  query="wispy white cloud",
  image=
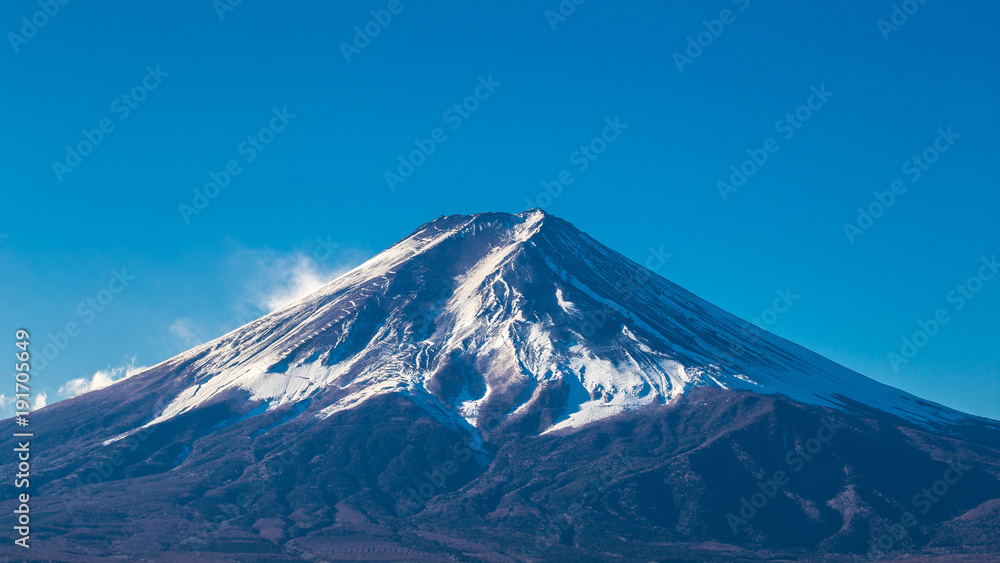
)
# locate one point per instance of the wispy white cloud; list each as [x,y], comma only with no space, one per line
[185,330]
[277,279]
[100,379]
[256,281]
[8,407]
[294,278]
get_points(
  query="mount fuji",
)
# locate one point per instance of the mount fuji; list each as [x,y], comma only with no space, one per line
[509,315]
[500,387]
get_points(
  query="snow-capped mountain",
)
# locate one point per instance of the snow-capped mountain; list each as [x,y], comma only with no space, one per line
[498,315]
[501,387]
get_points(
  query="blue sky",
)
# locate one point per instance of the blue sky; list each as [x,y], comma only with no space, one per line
[308,117]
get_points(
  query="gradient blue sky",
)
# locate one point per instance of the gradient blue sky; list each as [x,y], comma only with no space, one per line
[322,177]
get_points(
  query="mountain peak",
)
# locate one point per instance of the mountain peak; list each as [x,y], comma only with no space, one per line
[487,219]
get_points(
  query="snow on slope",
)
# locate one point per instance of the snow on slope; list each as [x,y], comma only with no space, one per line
[493,316]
